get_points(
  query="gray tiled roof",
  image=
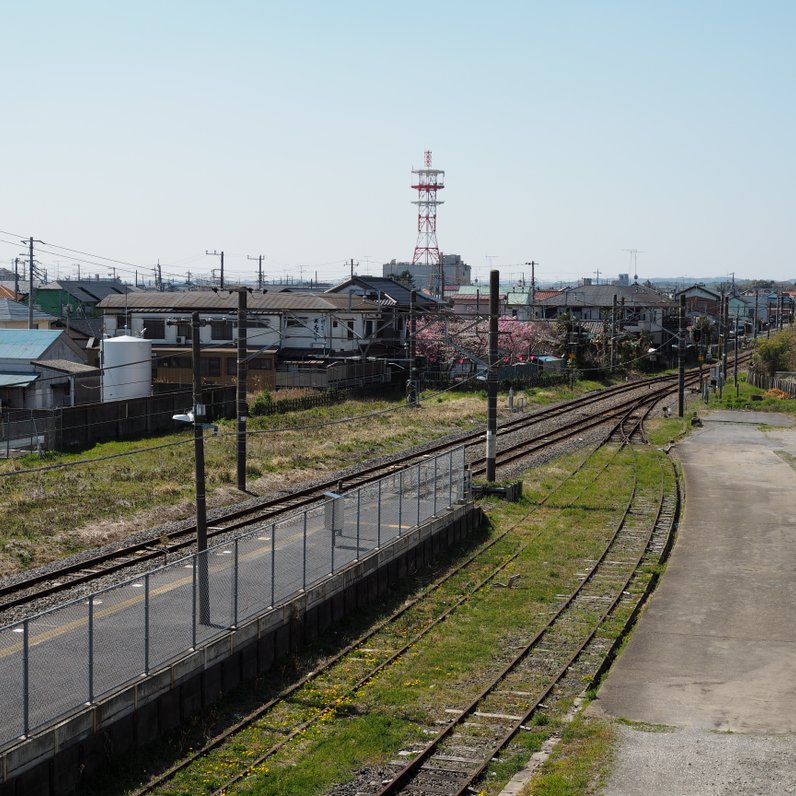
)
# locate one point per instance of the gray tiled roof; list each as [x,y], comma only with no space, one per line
[11,310]
[603,295]
[65,366]
[209,301]
[89,291]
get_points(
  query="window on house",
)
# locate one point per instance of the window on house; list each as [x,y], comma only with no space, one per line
[350,328]
[220,330]
[154,330]
[296,322]
[210,366]
[184,330]
[260,364]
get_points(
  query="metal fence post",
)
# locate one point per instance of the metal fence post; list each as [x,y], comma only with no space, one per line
[304,557]
[193,607]
[359,505]
[331,536]
[434,504]
[235,589]
[146,623]
[91,648]
[450,479]
[400,500]
[25,678]
[418,494]
[273,563]
[378,517]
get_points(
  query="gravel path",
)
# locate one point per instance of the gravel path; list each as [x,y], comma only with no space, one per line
[684,762]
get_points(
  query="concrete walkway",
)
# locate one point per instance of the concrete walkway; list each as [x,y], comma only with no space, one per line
[715,651]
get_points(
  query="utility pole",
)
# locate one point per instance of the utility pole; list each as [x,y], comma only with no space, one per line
[681,358]
[725,315]
[613,334]
[754,333]
[259,269]
[30,242]
[243,407]
[735,363]
[533,265]
[352,268]
[411,387]
[214,253]
[491,377]
[16,278]
[199,459]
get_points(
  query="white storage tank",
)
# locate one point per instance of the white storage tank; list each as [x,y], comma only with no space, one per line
[126,367]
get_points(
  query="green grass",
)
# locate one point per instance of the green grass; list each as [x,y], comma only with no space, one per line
[448,667]
[580,763]
[45,515]
[746,396]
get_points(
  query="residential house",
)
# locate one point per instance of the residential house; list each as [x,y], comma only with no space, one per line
[43,369]
[473,301]
[16,315]
[81,295]
[634,309]
[388,337]
[521,301]
[283,330]
[700,301]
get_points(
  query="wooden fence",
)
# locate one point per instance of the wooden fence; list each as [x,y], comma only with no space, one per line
[780,381]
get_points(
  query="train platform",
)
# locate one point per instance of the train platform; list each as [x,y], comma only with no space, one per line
[707,682]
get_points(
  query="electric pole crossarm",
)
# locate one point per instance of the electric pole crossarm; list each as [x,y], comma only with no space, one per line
[220,254]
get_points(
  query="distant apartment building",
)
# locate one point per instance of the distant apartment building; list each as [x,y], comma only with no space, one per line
[456,271]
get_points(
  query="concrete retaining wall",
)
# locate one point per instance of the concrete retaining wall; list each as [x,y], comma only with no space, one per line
[55,762]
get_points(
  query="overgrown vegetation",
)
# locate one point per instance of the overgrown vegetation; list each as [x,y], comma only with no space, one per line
[776,353]
[48,514]
[448,667]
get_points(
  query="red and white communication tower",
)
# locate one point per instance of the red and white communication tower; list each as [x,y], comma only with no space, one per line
[428,182]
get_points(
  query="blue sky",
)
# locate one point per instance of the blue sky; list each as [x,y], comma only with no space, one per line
[569,131]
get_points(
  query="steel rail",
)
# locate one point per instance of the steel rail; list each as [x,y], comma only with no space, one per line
[230,732]
[415,767]
[43,584]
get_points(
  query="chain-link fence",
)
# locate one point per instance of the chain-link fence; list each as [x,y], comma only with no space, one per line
[53,663]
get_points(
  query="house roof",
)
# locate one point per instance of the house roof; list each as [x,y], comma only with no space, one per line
[11,310]
[27,344]
[85,327]
[698,290]
[65,366]
[541,295]
[10,379]
[224,301]
[603,296]
[89,291]
[399,293]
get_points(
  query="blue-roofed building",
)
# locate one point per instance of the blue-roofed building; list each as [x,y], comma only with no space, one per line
[43,369]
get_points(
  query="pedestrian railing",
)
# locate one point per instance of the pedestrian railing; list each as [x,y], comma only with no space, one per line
[59,660]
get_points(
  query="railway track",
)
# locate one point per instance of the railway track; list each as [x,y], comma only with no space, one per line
[387,643]
[576,416]
[363,659]
[554,661]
